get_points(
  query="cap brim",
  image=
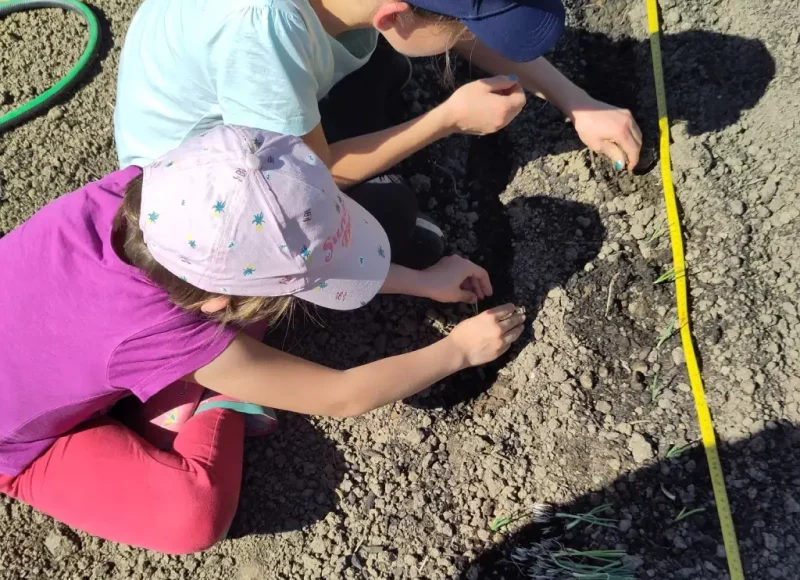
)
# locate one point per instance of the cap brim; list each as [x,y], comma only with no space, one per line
[523,33]
[356,272]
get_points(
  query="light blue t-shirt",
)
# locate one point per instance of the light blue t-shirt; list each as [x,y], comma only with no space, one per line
[188,65]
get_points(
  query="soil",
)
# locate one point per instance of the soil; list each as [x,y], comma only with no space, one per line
[584,411]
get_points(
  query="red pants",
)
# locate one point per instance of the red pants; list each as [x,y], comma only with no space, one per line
[106,480]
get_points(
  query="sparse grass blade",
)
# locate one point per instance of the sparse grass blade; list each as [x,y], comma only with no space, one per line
[676,450]
[590,518]
[498,524]
[655,389]
[667,333]
[658,232]
[686,514]
[668,276]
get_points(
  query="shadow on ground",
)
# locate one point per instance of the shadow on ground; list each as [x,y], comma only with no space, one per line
[710,79]
[763,482]
[289,479]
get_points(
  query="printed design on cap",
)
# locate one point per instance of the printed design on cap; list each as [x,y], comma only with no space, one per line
[248,271]
[361,260]
[231,245]
[192,242]
[170,164]
[258,220]
[381,253]
[219,207]
[152,217]
[321,286]
[343,232]
[305,253]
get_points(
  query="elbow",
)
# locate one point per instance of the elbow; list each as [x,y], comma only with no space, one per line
[349,409]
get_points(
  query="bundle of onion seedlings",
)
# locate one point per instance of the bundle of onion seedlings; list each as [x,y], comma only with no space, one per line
[548,558]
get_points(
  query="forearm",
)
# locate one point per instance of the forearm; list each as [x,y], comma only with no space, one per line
[360,158]
[391,379]
[538,77]
[402,280]
[251,371]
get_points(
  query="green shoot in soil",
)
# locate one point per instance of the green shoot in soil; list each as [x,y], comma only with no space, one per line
[590,518]
[658,232]
[668,276]
[500,523]
[676,450]
[655,389]
[685,514]
[667,333]
[544,514]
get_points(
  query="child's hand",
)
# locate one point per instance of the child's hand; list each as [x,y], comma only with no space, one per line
[484,337]
[485,106]
[454,279]
[609,130]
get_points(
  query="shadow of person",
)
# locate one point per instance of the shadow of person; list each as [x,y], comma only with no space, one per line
[289,481]
[710,78]
[763,482]
[534,244]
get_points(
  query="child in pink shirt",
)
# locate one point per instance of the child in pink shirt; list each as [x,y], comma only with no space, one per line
[140,283]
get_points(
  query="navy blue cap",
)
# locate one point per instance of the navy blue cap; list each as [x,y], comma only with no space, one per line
[520,31]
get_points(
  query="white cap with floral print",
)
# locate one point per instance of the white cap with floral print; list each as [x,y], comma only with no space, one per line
[246,212]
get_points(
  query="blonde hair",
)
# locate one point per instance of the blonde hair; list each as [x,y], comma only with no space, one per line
[240,310]
[458,30]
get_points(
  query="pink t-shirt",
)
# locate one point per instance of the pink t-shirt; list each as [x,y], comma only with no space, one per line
[80,328]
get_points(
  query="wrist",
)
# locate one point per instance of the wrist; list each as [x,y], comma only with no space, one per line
[573,102]
[452,355]
[445,119]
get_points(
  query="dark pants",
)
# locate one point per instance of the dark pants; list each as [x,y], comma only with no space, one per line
[360,104]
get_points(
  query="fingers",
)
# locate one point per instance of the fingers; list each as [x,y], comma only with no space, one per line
[615,154]
[631,148]
[475,286]
[511,322]
[467,297]
[513,335]
[637,132]
[501,312]
[484,282]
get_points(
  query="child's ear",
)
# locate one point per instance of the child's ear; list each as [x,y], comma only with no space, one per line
[215,304]
[387,14]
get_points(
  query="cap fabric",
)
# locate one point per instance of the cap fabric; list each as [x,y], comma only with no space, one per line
[246,212]
[519,30]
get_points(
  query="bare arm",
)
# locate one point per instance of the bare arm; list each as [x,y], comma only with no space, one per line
[538,77]
[358,159]
[477,108]
[253,372]
[602,127]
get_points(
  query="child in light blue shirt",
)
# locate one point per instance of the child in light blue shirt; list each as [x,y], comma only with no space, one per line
[187,65]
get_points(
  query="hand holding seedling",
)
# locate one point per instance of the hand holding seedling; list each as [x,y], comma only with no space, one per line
[455,279]
[485,106]
[484,337]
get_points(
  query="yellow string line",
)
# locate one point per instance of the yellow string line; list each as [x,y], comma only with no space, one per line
[676,239]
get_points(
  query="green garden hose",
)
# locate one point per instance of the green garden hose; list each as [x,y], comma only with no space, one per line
[49,97]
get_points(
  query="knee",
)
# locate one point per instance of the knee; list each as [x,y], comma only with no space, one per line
[201,522]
